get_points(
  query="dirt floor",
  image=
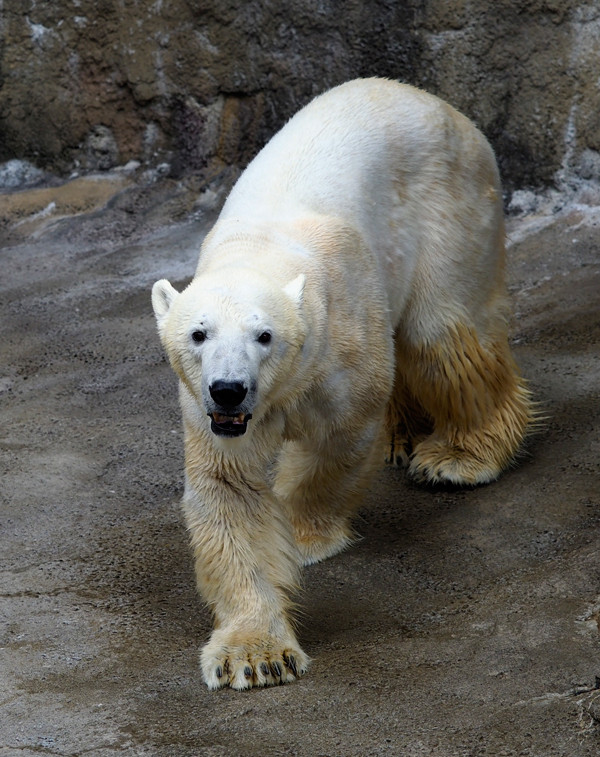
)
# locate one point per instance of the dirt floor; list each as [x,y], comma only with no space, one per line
[465,622]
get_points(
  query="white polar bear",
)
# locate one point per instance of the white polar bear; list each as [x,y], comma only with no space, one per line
[351,295]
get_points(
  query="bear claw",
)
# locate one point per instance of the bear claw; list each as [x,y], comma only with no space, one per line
[291,663]
[243,667]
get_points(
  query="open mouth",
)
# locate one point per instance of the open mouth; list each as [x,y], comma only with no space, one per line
[229,425]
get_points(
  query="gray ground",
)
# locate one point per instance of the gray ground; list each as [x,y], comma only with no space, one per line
[463,623]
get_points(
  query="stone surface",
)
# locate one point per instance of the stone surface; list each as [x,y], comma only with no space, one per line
[464,622]
[19,174]
[201,86]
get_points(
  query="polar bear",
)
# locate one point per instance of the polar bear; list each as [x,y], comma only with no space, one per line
[348,304]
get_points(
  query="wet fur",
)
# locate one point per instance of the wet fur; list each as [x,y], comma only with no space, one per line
[459,410]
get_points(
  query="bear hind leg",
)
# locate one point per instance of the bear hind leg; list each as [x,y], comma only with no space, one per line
[406,423]
[477,401]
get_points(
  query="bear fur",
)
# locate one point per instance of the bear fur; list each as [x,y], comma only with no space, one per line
[349,305]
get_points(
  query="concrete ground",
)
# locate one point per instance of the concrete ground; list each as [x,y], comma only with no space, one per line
[465,622]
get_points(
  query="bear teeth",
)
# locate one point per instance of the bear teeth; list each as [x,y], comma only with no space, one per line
[218,418]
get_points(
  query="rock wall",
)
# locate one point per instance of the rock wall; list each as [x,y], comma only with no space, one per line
[202,84]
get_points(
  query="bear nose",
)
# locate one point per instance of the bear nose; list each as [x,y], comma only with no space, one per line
[227,394]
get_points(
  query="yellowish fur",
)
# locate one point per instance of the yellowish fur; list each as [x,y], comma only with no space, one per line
[460,407]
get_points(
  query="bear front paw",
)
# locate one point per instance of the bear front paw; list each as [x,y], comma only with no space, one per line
[229,660]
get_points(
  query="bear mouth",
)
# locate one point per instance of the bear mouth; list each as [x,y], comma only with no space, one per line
[229,425]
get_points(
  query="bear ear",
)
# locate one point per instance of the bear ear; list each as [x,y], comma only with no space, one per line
[295,289]
[163,296]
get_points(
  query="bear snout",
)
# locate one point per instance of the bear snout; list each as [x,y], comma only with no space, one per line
[228,394]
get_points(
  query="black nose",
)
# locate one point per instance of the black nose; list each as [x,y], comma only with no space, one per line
[227,394]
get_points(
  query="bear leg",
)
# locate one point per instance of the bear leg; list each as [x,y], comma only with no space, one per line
[477,402]
[322,487]
[246,568]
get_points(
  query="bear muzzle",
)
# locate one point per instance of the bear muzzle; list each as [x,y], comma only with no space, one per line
[229,419]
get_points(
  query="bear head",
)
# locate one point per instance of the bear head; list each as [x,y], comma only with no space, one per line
[232,337]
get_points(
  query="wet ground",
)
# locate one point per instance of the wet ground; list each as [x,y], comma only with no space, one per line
[464,622]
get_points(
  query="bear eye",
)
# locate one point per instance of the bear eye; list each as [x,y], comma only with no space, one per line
[264,338]
[198,336]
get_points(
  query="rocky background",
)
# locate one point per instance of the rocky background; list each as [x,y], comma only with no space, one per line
[199,85]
